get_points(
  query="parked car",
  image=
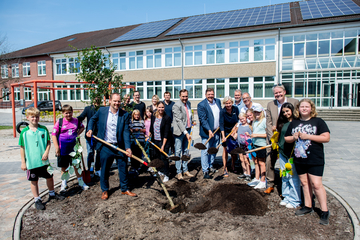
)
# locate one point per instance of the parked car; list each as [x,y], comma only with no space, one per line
[44,106]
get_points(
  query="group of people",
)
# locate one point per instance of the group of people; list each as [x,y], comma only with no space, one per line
[167,125]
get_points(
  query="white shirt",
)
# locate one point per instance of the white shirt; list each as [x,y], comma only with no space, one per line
[216,112]
[111,124]
[245,108]
[280,104]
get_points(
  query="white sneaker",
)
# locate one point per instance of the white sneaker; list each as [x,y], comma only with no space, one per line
[283,203]
[85,187]
[254,182]
[289,205]
[260,185]
[62,189]
[166,179]
[160,173]
[63,186]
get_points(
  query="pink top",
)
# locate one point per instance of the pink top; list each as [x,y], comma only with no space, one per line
[68,134]
[147,126]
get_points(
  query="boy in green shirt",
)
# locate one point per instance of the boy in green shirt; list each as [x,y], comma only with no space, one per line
[35,146]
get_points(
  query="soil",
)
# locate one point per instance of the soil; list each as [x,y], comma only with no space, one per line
[220,208]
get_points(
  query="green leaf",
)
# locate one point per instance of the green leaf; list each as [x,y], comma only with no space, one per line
[75,161]
[50,169]
[79,171]
[81,182]
[65,176]
[71,170]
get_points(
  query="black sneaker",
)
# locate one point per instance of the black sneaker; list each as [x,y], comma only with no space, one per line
[39,205]
[242,176]
[206,175]
[213,170]
[304,210]
[56,197]
[324,218]
[247,178]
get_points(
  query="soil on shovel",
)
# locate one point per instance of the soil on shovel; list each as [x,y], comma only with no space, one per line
[219,208]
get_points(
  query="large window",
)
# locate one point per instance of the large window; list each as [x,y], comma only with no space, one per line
[193,55]
[239,52]
[194,88]
[263,87]
[238,83]
[61,66]
[27,94]
[153,58]
[172,56]
[139,86]
[74,65]
[4,71]
[17,94]
[119,60]
[215,53]
[5,93]
[264,49]
[15,70]
[41,68]
[136,60]
[173,87]
[154,87]
[218,85]
[26,69]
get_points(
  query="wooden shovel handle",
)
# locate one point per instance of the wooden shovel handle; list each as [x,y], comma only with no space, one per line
[119,149]
[257,149]
[211,137]
[189,142]
[225,138]
[158,148]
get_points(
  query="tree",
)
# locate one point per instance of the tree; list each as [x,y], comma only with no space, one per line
[97,70]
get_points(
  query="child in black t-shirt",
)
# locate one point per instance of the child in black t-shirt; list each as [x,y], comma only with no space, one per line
[309,133]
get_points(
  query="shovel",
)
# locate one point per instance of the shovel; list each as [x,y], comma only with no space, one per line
[201,146]
[214,150]
[172,205]
[155,163]
[85,173]
[241,151]
[174,158]
[186,156]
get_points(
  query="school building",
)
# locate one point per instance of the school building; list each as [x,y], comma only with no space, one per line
[312,47]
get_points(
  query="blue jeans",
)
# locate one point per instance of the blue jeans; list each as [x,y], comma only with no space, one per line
[107,156]
[90,152]
[207,160]
[181,143]
[290,184]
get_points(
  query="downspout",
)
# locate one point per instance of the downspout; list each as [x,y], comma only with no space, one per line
[182,65]
[278,59]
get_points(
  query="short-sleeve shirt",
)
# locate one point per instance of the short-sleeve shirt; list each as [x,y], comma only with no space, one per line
[259,128]
[307,151]
[241,133]
[34,144]
[137,125]
[68,134]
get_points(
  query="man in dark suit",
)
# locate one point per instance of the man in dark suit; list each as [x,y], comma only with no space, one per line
[88,112]
[272,114]
[113,127]
[209,115]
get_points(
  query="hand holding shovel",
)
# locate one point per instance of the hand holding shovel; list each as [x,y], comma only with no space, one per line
[186,156]
[214,150]
[201,146]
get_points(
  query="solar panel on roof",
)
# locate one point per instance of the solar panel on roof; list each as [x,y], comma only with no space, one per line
[313,9]
[232,19]
[147,30]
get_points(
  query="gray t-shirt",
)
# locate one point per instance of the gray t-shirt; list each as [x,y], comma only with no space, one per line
[241,134]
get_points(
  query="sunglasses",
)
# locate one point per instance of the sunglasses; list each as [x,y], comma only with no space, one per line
[278,85]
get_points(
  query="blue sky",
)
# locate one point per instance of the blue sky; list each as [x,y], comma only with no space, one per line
[29,23]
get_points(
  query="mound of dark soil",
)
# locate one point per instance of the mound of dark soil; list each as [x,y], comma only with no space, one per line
[224,209]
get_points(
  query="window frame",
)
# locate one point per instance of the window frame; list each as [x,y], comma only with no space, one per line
[41,66]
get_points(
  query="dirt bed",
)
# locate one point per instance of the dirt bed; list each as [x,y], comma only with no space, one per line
[220,208]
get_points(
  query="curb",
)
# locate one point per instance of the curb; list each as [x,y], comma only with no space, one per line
[18,218]
[354,219]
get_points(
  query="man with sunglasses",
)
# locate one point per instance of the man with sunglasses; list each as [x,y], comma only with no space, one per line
[272,114]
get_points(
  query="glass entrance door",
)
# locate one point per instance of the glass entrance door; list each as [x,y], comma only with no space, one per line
[344,96]
[328,94]
[355,95]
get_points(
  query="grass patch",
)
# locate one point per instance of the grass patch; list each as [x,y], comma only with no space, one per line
[5,127]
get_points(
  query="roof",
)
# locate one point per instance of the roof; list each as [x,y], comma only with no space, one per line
[103,38]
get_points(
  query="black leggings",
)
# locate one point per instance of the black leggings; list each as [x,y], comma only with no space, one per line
[158,154]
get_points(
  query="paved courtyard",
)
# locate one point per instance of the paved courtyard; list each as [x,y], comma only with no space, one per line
[341,169]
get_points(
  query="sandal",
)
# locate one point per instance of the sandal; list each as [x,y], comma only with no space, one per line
[226,174]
